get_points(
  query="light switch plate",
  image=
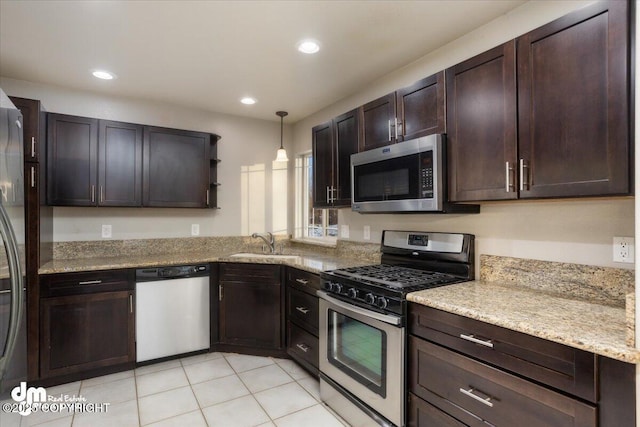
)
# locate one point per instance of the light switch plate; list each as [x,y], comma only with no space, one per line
[195,229]
[367,232]
[106,231]
[344,231]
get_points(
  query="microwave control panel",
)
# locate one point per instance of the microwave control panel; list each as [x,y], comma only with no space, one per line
[426,174]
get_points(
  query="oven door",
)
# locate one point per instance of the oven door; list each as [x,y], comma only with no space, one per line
[363,352]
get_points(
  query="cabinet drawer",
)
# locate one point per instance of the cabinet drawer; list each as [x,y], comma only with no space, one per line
[54,285]
[303,310]
[302,345]
[458,384]
[568,369]
[250,273]
[303,280]
[423,414]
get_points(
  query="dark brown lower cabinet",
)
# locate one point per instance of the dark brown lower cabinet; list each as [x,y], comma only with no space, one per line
[251,306]
[84,332]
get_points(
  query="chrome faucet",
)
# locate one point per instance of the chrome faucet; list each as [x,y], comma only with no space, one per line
[270,241]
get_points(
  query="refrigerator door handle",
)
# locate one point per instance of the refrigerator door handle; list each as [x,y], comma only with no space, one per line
[15,274]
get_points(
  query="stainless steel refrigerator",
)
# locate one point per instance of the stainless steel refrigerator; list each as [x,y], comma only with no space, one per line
[13,347]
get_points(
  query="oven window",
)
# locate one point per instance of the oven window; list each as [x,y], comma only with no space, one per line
[359,350]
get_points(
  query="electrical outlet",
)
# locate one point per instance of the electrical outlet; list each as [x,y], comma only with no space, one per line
[106,231]
[195,229]
[344,231]
[367,232]
[623,249]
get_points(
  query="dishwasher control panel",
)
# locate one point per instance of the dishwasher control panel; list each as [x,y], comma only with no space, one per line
[171,272]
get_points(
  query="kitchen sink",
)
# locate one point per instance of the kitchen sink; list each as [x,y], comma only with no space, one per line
[266,256]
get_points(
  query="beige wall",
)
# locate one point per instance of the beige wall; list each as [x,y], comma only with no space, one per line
[248,181]
[579,231]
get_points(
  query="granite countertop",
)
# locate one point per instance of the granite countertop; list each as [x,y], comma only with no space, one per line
[307,260]
[594,327]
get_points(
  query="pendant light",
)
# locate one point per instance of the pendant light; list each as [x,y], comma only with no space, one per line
[282,153]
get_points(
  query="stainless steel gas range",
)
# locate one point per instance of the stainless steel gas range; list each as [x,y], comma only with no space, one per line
[363,314]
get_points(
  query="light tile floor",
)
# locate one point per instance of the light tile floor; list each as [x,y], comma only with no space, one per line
[213,389]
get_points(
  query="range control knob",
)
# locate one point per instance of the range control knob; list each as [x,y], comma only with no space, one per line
[370,298]
[328,286]
[382,302]
[352,293]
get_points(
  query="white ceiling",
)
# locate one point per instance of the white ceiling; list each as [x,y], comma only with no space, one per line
[209,54]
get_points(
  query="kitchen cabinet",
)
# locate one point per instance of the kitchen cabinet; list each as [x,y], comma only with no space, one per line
[176,168]
[251,308]
[87,323]
[573,104]
[303,318]
[333,144]
[94,162]
[482,128]
[467,372]
[411,112]
[552,123]
[39,221]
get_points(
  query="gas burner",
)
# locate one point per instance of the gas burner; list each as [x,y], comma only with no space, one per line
[396,277]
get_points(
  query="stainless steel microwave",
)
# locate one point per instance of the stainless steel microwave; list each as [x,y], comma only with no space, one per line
[406,177]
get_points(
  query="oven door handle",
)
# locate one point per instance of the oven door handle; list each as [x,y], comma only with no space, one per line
[392,320]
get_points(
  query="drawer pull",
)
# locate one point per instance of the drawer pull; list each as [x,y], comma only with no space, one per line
[90,282]
[303,347]
[302,281]
[471,394]
[303,310]
[475,340]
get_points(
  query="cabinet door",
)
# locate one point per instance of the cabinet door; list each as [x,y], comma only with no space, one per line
[377,121]
[32,118]
[82,332]
[346,144]
[322,145]
[250,305]
[120,164]
[175,168]
[72,160]
[481,125]
[421,108]
[573,82]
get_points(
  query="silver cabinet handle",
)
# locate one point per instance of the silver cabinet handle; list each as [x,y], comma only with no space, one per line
[328,199]
[507,173]
[93,193]
[33,177]
[33,146]
[101,194]
[303,310]
[389,130]
[396,127]
[486,343]
[130,303]
[471,394]
[523,166]
[90,282]
[303,347]
[302,281]
[220,291]
[207,197]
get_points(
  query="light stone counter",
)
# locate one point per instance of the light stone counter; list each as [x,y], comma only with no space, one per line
[575,318]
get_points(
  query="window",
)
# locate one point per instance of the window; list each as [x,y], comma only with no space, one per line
[321,224]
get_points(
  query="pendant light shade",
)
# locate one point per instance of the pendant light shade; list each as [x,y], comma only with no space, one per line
[281,155]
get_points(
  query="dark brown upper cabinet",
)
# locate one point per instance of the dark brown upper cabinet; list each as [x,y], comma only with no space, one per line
[482,128]
[333,144]
[119,164]
[408,113]
[94,162]
[573,104]
[72,151]
[33,121]
[176,168]
[564,132]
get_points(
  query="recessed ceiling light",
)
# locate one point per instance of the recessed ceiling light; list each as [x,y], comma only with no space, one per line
[308,46]
[248,100]
[104,75]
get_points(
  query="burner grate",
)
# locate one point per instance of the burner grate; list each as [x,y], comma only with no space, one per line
[397,277]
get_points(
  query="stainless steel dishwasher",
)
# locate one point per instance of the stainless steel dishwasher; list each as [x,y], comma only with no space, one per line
[172,311]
